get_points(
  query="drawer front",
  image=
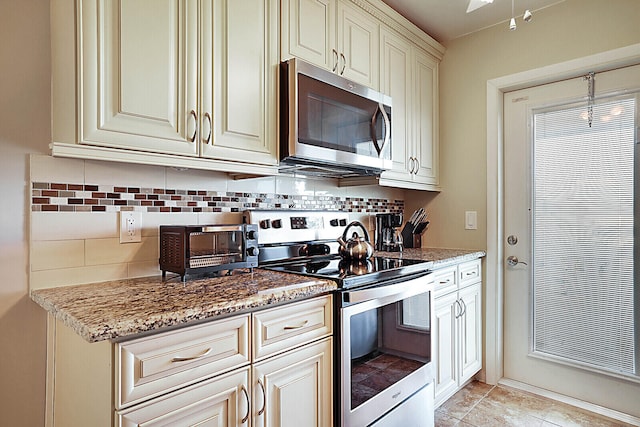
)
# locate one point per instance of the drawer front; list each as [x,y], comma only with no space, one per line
[469,273]
[446,280]
[278,329]
[150,366]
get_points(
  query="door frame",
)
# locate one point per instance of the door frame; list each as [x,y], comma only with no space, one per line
[494,265]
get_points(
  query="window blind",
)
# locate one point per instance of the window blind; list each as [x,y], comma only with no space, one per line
[583,237]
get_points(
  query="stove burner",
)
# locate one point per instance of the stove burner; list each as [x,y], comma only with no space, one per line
[351,273]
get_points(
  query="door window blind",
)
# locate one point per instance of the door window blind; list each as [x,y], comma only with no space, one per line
[583,235]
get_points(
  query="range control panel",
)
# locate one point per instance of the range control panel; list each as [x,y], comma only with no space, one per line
[297,226]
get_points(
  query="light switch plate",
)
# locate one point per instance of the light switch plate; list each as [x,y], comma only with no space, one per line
[471,220]
[130,227]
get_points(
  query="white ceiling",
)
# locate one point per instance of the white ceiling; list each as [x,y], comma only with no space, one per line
[447,19]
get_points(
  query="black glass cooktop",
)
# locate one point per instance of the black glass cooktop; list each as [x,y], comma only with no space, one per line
[353,273]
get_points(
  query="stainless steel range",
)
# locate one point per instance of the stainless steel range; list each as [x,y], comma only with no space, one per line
[384,374]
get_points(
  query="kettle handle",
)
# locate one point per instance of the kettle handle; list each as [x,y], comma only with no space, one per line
[358,224]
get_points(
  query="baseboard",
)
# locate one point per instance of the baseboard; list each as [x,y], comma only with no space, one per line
[601,410]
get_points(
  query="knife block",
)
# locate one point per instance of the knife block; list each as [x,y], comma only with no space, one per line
[410,240]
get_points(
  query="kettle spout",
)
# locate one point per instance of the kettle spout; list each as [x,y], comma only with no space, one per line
[343,244]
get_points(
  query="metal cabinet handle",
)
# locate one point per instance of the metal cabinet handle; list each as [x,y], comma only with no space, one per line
[264,397]
[457,315]
[344,63]
[208,117]
[411,166]
[335,60]
[246,396]
[187,359]
[195,131]
[445,282]
[464,307]
[417,166]
[287,327]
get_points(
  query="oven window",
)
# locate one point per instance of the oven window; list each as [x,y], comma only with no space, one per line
[227,245]
[387,344]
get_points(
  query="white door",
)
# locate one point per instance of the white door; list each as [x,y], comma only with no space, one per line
[524,214]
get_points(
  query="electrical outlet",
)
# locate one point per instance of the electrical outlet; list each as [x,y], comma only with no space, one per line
[471,220]
[130,227]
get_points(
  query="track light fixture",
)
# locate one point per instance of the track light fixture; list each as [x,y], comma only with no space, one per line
[526,17]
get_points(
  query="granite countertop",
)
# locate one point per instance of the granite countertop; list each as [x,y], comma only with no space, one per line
[117,309]
[123,308]
[436,257]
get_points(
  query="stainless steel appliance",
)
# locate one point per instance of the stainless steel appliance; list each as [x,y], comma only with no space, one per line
[384,374]
[204,249]
[331,126]
[388,237]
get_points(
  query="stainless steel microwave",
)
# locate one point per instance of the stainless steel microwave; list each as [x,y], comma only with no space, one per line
[330,125]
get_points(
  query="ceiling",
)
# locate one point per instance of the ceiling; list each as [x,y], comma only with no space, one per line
[446,20]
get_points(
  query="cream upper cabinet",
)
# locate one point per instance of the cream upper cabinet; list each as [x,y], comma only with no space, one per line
[139,75]
[410,76]
[172,82]
[396,82]
[239,91]
[332,34]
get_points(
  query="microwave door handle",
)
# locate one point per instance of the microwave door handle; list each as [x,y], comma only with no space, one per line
[387,125]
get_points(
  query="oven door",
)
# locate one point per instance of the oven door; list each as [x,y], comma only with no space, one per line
[385,350]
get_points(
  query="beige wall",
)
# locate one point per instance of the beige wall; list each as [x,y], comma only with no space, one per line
[24,128]
[569,30]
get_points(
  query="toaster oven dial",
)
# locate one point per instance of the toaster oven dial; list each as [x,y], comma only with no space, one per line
[253,251]
[276,223]
[265,223]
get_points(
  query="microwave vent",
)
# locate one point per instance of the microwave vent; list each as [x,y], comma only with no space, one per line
[302,167]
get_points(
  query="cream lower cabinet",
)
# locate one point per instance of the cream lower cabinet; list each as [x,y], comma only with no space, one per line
[333,34]
[193,79]
[269,368]
[457,332]
[288,382]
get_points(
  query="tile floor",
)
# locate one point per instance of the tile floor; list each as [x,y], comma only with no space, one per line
[483,405]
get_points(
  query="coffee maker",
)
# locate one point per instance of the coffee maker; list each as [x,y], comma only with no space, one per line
[388,236]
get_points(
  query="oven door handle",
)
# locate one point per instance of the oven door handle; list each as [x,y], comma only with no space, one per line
[405,288]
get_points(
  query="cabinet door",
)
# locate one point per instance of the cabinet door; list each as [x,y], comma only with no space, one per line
[396,82]
[222,401]
[470,331]
[295,389]
[444,333]
[139,74]
[239,64]
[308,32]
[358,45]
[425,120]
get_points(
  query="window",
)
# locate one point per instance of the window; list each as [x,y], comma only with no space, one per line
[583,234]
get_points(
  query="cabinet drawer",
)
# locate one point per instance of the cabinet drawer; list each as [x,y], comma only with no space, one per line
[446,280]
[150,366]
[278,329]
[469,273]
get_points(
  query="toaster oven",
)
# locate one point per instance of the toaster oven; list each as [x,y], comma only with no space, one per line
[205,249]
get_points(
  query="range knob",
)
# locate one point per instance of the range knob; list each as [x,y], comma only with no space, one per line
[253,251]
[333,222]
[276,223]
[343,222]
[265,223]
[252,235]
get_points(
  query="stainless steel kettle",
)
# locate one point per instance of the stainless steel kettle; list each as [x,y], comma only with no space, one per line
[356,248]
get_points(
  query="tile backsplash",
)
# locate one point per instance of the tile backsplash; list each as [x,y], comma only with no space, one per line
[75,206]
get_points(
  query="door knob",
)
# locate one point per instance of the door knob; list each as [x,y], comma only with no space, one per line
[513,261]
